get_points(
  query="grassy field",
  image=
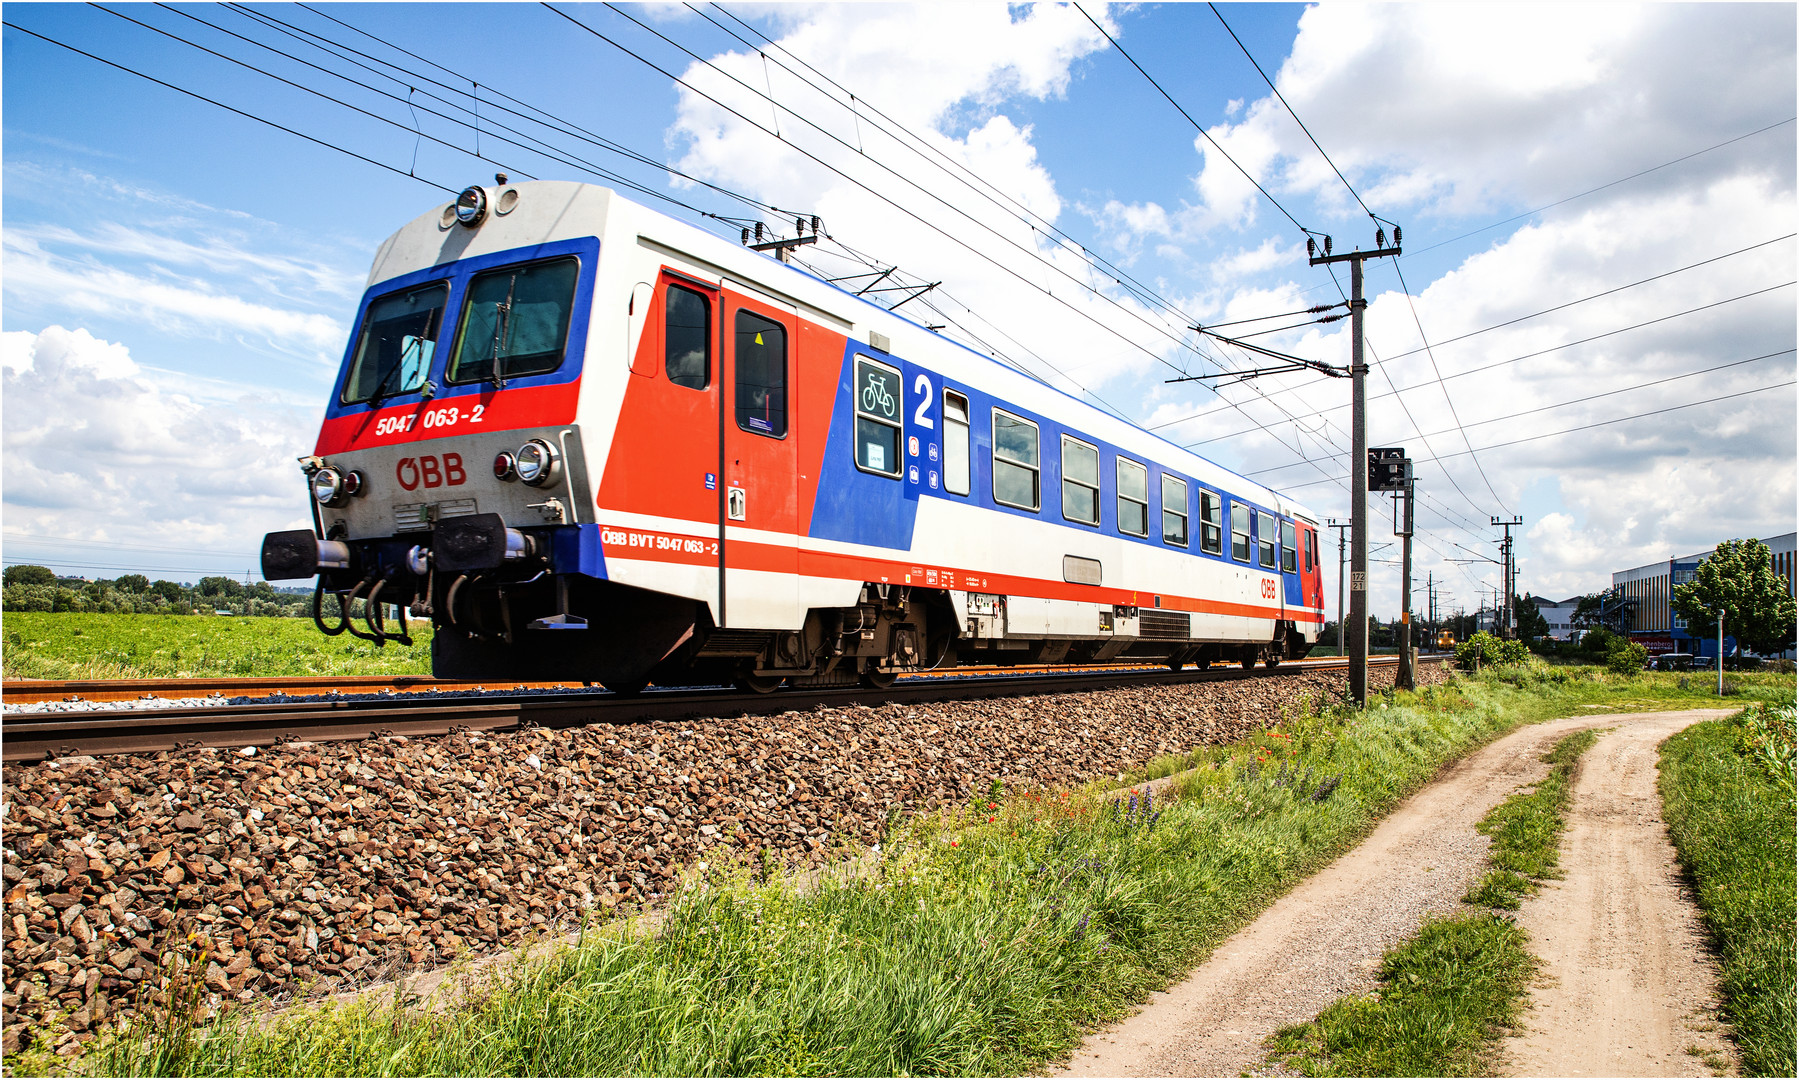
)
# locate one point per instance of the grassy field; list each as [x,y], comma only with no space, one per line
[1727,793]
[980,941]
[69,645]
[1448,993]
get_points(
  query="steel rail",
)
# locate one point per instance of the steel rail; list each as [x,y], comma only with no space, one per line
[49,735]
[33,691]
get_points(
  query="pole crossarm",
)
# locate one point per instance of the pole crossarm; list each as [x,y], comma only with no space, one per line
[1289,363]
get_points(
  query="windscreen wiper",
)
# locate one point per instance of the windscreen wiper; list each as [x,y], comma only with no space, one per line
[502,332]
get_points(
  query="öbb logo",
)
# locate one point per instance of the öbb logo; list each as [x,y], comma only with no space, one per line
[1269,589]
[427,470]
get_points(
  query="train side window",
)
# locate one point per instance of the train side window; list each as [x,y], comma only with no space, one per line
[515,322]
[878,411]
[394,349]
[1080,481]
[761,375]
[1015,461]
[1289,548]
[1311,551]
[687,338]
[1239,532]
[1211,523]
[1265,537]
[1174,521]
[955,443]
[1133,498]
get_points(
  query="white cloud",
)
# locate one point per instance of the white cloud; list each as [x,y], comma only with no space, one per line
[36,276]
[96,447]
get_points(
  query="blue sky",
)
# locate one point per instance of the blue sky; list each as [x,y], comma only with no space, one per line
[178,277]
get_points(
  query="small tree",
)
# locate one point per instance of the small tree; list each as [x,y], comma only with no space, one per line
[29,575]
[1626,657]
[132,583]
[1531,623]
[1586,613]
[1738,579]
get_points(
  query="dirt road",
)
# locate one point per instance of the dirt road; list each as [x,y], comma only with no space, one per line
[1630,984]
[1325,938]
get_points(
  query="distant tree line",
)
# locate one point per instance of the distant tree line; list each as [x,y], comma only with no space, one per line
[38,588]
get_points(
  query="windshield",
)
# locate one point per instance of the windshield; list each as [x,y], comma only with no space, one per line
[515,322]
[398,338]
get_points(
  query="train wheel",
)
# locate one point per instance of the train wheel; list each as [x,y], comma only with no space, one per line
[1273,659]
[1203,663]
[1175,664]
[759,684]
[629,688]
[876,679]
[1250,655]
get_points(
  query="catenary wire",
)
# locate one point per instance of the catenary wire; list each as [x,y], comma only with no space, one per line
[246,115]
[1583,399]
[1515,359]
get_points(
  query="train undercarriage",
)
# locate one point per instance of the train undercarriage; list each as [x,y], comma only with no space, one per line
[501,612]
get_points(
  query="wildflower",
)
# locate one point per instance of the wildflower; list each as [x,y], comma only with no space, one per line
[993,806]
[955,843]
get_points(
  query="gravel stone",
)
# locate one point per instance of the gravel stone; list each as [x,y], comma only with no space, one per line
[311,868]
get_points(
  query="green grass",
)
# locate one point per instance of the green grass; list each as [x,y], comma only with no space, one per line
[984,940]
[1448,993]
[1445,995]
[1527,828]
[1732,821]
[69,645]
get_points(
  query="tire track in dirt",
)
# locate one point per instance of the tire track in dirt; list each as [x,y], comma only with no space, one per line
[1326,937]
[1629,982]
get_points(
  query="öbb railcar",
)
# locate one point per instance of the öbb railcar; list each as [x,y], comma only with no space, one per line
[588,441]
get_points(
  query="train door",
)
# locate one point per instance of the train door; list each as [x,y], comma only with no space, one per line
[659,493]
[758,463]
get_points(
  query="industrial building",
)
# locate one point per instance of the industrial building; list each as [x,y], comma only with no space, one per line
[1647,595]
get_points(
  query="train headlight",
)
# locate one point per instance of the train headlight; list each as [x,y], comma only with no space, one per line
[505,467]
[332,486]
[537,463]
[471,205]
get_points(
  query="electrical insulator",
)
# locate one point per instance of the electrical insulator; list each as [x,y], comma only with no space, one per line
[799,226]
[1327,244]
[815,228]
[1311,248]
[1380,238]
[1395,236]
[758,232]
[746,234]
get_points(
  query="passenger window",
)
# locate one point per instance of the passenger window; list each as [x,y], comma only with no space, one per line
[955,443]
[1265,537]
[878,414]
[1311,550]
[1289,549]
[1015,462]
[1239,532]
[1174,511]
[398,339]
[1080,481]
[687,338]
[761,375]
[1133,498]
[1211,523]
[515,322]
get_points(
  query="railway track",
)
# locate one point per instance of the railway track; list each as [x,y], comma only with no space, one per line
[45,735]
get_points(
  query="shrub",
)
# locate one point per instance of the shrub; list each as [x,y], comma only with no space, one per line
[1626,657]
[1599,642]
[1485,650]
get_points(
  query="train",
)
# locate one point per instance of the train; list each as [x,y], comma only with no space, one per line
[588,441]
